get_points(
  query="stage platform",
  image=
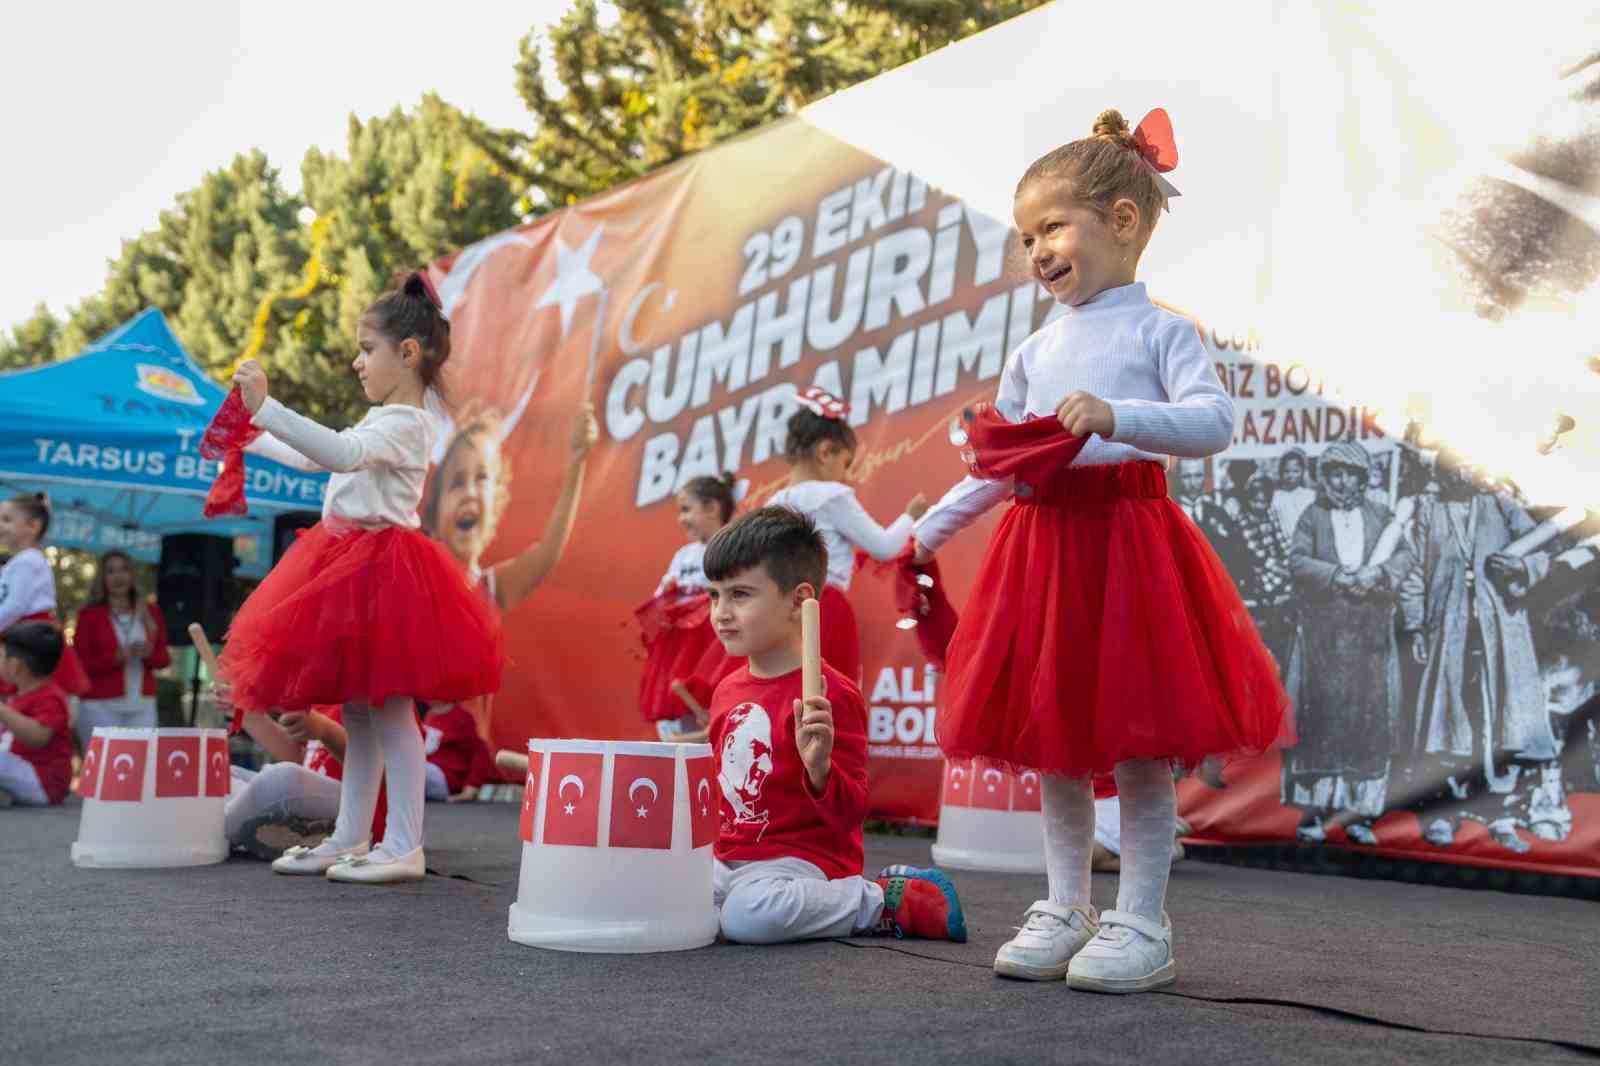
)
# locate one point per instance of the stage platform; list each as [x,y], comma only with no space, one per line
[232,964]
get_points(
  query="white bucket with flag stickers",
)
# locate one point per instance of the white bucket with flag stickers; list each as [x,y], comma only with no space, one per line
[153,797]
[989,820]
[616,847]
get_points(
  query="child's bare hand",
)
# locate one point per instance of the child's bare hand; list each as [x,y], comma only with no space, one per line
[466,795]
[222,692]
[918,506]
[252,382]
[299,726]
[921,554]
[1082,414]
[585,431]
[813,735]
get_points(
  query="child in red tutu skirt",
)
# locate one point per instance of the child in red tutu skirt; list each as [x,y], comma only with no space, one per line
[1103,634]
[820,447]
[675,623]
[364,610]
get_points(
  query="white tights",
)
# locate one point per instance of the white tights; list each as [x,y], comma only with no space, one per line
[1149,810]
[382,745]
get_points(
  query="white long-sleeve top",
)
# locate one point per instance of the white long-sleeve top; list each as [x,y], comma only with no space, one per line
[27,586]
[378,465]
[1148,364]
[844,525]
[687,569]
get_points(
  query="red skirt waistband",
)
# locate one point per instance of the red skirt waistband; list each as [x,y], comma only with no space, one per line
[1104,483]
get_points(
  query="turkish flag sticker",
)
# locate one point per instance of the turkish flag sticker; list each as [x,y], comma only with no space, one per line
[124,773]
[958,783]
[990,789]
[642,791]
[530,796]
[177,766]
[1025,791]
[92,762]
[217,775]
[572,804]
[705,803]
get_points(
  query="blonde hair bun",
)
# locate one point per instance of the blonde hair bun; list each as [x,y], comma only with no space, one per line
[1111,126]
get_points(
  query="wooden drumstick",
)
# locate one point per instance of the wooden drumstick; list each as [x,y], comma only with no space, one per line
[810,650]
[198,636]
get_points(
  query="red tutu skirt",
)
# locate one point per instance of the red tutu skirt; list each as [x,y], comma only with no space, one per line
[353,615]
[70,676]
[1104,628]
[676,632]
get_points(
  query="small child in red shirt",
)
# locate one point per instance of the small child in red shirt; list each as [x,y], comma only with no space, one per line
[35,740]
[459,762]
[793,773]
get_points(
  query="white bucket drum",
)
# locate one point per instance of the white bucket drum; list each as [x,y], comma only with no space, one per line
[616,847]
[989,820]
[153,797]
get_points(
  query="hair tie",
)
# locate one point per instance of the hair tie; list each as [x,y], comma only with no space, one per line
[822,402]
[739,490]
[433,293]
[1154,142]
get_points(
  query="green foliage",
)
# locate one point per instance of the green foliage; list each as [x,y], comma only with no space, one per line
[670,77]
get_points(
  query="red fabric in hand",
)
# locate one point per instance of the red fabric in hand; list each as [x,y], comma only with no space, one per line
[230,431]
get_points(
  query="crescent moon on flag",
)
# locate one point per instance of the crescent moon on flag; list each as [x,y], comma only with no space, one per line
[570,779]
[117,762]
[1024,779]
[994,774]
[655,793]
[957,773]
[703,793]
[218,761]
[173,757]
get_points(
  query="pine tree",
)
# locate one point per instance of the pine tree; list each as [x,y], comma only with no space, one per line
[670,77]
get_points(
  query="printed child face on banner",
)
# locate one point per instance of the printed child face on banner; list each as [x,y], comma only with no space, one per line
[699,518]
[469,491]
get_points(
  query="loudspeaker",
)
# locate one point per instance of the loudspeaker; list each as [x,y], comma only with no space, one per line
[286,527]
[195,584]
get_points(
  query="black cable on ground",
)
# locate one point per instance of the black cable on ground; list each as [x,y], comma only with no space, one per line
[1591,1050]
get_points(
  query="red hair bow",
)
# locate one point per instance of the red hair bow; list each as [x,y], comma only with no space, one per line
[1157,147]
[822,402]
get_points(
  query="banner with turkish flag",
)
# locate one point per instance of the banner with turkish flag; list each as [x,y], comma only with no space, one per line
[643,788]
[123,779]
[217,762]
[93,759]
[572,804]
[530,795]
[178,767]
[705,801]
[864,245]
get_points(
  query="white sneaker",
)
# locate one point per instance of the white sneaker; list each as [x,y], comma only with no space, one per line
[1050,936]
[1130,953]
[303,860]
[380,868]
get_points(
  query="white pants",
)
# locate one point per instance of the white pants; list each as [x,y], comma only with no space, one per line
[18,777]
[1108,824]
[281,788]
[771,901]
[436,787]
[119,714]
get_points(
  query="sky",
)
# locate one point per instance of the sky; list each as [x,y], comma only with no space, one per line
[109,110]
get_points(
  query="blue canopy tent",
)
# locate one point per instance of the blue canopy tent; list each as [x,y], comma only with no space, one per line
[113,435]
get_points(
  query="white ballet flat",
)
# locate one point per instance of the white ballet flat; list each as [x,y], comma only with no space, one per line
[304,861]
[376,868]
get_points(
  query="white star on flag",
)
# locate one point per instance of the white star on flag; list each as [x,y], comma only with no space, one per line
[643,813]
[570,809]
[574,279]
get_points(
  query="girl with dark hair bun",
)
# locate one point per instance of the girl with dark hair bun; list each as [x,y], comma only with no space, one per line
[675,624]
[819,449]
[364,610]
[28,585]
